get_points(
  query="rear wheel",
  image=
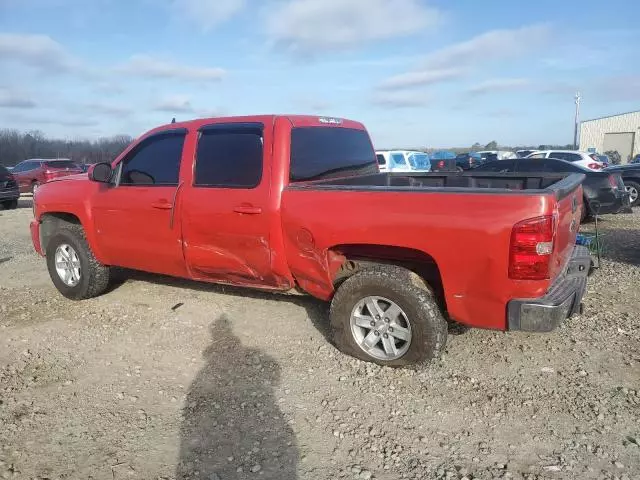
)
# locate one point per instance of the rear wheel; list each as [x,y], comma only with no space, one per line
[387,315]
[72,266]
[633,188]
[10,204]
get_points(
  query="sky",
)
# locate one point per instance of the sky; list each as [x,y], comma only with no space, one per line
[416,73]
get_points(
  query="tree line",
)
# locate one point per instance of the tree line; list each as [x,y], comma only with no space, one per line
[16,146]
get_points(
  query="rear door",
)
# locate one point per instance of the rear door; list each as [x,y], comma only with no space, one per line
[225,210]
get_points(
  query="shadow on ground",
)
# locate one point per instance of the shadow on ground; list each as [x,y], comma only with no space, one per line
[317,311]
[621,245]
[232,427]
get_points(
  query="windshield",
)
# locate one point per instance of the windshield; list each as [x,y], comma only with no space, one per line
[419,161]
[326,152]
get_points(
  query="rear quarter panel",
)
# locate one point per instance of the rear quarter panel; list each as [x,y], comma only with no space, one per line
[468,235]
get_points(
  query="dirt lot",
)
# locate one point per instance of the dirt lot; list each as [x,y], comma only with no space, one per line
[163,378]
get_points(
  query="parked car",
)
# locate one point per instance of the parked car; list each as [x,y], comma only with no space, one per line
[32,173]
[524,153]
[403,161]
[284,204]
[465,161]
[584,159]
[630,174]
[9,193]
[84,166]
[604,191]
[490,155]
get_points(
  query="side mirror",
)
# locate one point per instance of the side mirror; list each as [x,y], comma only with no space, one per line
[100,172]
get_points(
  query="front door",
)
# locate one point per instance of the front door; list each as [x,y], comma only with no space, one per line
[225,211]
[135,216]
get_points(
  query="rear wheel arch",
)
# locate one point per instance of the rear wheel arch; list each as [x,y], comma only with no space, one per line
[358,257]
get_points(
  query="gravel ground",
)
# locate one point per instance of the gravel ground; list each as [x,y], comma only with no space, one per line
[163,379]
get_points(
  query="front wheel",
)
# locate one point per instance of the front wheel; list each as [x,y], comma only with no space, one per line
[387,315]
[72,266]
[633,189]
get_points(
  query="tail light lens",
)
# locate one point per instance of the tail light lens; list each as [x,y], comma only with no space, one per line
[613,182]
[532,244]
[595,166]
[441,164]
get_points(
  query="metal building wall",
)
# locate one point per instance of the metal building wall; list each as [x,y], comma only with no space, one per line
[592,132]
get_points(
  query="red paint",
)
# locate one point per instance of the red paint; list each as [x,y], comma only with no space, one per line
[276,238]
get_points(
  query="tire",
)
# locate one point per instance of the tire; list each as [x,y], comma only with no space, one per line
[10,204]
[93,276]
[426,325]
[632,186]
[586,211]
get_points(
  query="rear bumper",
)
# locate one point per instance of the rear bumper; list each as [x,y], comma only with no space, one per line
[620,203]
[34,226]
[563,299]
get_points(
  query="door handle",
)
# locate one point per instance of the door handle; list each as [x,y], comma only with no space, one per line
[247,210]
[162,205]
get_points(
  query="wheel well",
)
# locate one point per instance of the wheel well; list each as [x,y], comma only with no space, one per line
[358,256]
[50,223]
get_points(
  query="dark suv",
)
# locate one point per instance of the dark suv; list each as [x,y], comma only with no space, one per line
[9,192]
[31,173]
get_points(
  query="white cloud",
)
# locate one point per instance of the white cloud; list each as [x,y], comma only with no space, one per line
[321,25]
[396,100]
[108,109]
[39,51]
[498,85]
[150,67]
[209,13]
[174,104]
[12,99]
[490,46]
[421,78]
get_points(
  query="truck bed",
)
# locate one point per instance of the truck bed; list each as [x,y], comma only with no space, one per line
[467,182]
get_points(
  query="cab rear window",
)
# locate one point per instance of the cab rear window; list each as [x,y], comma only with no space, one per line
[319,153]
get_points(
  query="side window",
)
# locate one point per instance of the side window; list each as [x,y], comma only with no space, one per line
[398,160]
[381,160]
[155,161]
[229,156]
[536,155]
[25,167]
[573,157]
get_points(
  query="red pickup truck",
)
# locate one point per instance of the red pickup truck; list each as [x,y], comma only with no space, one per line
[296,204]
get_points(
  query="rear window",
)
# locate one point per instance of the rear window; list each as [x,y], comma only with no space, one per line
[61,164]
[326,152]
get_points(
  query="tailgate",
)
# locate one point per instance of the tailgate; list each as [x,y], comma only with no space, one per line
[568,210]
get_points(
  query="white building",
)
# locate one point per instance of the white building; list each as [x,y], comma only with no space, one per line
[615,133]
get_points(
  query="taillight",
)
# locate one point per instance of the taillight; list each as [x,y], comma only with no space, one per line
[441,164]
[613,182]
[594,166]
[531,248]
[471,162]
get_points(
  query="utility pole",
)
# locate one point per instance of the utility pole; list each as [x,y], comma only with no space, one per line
[577,98]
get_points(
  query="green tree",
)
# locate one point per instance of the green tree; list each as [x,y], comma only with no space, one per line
[492,145]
